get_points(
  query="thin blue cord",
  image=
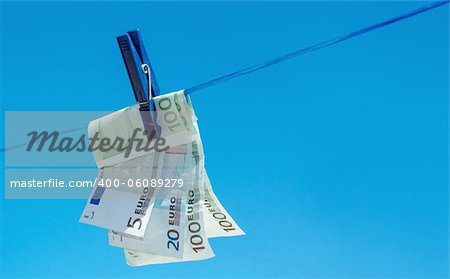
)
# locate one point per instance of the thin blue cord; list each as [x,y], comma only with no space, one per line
[26,143]
[312,48]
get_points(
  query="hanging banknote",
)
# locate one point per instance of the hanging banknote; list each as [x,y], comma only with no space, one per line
[156,224]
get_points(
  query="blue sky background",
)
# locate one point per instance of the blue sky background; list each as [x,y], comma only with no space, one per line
[335,163]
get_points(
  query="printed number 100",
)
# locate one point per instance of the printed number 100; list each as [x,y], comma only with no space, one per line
[169,116]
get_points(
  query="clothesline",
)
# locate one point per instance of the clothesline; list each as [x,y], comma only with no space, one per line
[314,47]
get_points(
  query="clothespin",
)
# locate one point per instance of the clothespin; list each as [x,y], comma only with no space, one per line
[141,77]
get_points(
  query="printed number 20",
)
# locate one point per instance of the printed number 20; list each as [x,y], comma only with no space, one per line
[173,236]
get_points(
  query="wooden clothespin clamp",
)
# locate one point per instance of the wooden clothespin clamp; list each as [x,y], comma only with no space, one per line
[141,77]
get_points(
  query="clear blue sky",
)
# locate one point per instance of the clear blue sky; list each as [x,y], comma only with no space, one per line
[335,163]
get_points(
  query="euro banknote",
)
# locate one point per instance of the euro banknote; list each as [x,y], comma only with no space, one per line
[156,225]
[122,208]
[218,222]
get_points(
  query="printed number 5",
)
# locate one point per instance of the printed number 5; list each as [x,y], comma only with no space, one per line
[132,225]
